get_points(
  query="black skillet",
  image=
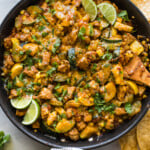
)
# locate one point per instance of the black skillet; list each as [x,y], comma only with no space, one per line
[142,27]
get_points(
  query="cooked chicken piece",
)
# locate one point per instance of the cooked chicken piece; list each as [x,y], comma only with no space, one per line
[32,47]
[117,71]
[30,71]
[123,27]
[45,109]
[36,125]
[46,58]
[8,62]
[51,117]
[70,92]
[76,3]
[81,125]
[141,90]
[71,37]
[93,45]
[70,112]
[92,56]
[87,116]
[120,111]
[74,134]
[55,59]
[20,113]
[50,18]
[83,63]
[64,66]
[13,93]
[45,93]
[128,39]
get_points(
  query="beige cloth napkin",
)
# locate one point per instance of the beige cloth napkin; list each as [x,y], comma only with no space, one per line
[144,6]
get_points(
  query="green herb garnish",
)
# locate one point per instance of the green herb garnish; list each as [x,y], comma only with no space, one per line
[55,64]
[53,11]
[76,99]
[107,56]
[36,40]
[53,30]
[51,71]
[64,93]
[98,19]
[41,28]
[101,105]
[44,34]
[124,15]
[21,76]
[9,85]
[56,45]
[94,67]
[81,33]
[128,108]
[3,138]
[57,86]
[63,115]
[21,53]
[91,30]
[106,65]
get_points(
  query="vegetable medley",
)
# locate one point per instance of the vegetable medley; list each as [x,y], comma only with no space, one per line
[73,68]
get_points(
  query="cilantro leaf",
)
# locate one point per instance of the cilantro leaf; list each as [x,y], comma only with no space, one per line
[124,15]
[81,33]
[44,34]
[101,105]
[91,30]
[36,40]
[56,45]
[51,71]
[41,28]
[107,56]
[3,138]
[57,86]
[128,108]
[9,85]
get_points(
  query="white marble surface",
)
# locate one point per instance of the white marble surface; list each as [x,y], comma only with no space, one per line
[19,141]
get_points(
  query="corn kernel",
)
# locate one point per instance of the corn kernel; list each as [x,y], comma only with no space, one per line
[100,53]
[24,17]
[144,96]
[22,12]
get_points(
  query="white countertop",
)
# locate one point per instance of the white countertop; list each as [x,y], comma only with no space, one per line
[19,141]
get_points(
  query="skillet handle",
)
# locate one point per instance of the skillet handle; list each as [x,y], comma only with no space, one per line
[67,148]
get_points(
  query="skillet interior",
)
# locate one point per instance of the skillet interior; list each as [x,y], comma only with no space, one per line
[142,28]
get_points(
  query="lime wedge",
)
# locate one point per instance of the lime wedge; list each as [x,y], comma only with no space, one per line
[90,7]
[32,113]
[22,103]
[108,11]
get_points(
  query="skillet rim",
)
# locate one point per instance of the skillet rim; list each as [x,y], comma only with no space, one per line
[18,125]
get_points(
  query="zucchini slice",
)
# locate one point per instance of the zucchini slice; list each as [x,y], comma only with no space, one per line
[34,10]
[112,40]
[29,21]
[77,78]
[72,57]
[60,77]
[47,128]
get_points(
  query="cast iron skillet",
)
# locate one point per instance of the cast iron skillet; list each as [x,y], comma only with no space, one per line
[143,28]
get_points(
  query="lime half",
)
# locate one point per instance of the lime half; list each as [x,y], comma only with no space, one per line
[32,113]
[90,7]
[108,11]
[21,103]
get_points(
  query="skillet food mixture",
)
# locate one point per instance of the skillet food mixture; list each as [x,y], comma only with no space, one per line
[64,67]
